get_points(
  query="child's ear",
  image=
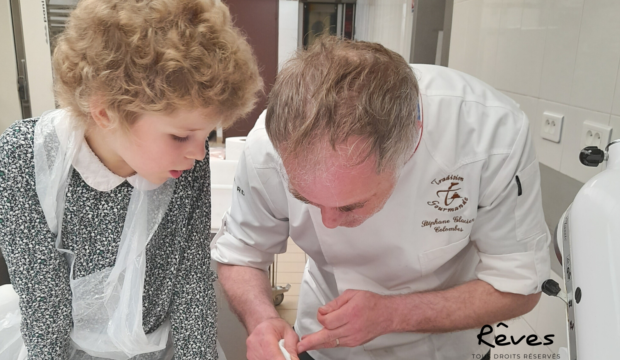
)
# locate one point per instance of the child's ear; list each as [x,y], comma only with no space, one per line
[100,115]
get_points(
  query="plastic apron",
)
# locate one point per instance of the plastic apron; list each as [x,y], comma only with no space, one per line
[106,305]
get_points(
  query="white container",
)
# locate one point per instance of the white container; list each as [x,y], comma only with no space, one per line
[222,182]
[234,147]
[220,203]
[223,171]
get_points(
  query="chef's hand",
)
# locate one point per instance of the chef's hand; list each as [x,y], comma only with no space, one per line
[262,343]
[354,318]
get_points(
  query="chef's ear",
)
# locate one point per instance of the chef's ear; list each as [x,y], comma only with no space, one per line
[99,114]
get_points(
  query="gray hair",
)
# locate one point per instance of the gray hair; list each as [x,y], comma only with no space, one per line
[339,89]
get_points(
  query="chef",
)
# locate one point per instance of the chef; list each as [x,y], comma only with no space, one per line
[413,189]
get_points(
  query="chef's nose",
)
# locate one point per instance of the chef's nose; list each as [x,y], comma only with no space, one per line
[332,217]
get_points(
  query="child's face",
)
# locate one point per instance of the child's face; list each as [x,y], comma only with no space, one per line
[160,146]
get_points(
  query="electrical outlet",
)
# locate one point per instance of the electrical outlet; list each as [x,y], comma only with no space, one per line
[595,134]
[551,127]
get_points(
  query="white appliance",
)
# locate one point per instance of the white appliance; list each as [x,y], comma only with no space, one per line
[588,246]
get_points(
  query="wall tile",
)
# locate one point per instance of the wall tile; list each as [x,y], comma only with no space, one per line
[615,124]
[463,46]
[488,40]
[616,106]
[508,50]
[563,20]
[533,32]
[573,127]
[529,105]
[474,38]
[521,47]
[474,35]
[385,22]
[458,38]
[288,24]
[598,56]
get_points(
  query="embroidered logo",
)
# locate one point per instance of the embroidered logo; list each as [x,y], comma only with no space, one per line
[450,198]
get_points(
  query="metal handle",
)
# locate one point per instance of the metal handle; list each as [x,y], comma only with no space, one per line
[610,144]
[24,84]
[20,88]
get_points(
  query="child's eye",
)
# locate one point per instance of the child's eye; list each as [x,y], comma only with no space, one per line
[180,139]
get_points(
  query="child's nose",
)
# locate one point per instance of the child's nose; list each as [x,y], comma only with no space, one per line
[197,152]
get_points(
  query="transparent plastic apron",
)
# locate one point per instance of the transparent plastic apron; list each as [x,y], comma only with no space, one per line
[106,305]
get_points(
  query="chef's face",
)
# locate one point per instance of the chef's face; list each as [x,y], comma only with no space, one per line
[346,195]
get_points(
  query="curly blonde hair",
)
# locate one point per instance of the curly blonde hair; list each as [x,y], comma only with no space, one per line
[139,56]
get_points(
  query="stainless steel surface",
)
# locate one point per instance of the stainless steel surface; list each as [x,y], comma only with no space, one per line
[611,143]
[22,81]
[558,192]
[20,53]
[4,273]
[58,12]
[563,232]
[339,20]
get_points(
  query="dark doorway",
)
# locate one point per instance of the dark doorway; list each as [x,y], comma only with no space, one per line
[258,19]
[327,17]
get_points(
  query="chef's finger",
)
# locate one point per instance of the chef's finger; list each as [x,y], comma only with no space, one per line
[319,340]
[335,319]
[337,303]
[290,343]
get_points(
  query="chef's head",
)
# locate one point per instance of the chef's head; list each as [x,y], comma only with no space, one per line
[342,116]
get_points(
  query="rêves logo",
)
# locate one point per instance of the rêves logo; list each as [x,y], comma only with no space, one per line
[501,340]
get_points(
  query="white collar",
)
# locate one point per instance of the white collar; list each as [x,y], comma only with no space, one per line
[92,170]
[94,173]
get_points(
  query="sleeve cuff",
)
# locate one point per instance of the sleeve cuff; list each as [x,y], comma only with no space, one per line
[518,273]
[226,249]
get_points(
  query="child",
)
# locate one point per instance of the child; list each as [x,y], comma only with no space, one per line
[105,203]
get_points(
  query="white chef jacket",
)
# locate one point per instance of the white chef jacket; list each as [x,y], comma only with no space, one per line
[467,206]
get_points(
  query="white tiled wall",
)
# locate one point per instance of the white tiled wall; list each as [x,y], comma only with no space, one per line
[288,29]
[388,22]
[598,55]
[615,123]
[616,106]
[561,56]
[562,40]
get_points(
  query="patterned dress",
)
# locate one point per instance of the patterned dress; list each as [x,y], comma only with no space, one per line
[178,284]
